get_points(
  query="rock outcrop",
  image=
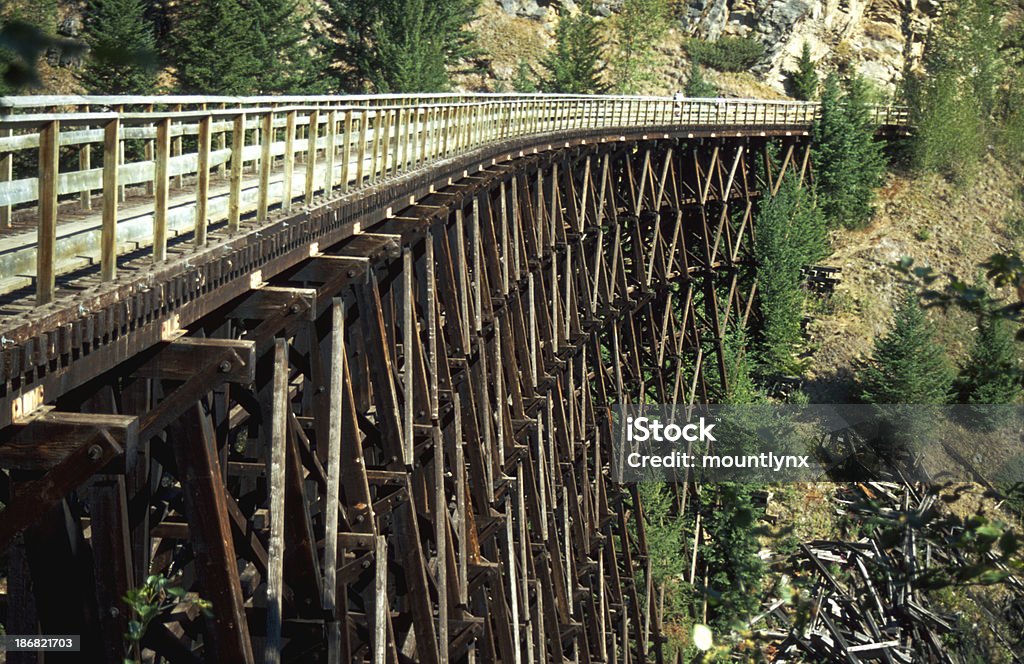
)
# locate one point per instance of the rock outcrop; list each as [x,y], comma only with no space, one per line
[873,37]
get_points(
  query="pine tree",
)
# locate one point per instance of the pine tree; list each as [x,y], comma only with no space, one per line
[696,84]
[803,82]
[288,64]
[907,366]
[122,49]
[637,29]
[790,236]
[397,45]
[735,571]
[992,374]
[574,65]
[953,101]
[849,162]
[524,80]
[217,48]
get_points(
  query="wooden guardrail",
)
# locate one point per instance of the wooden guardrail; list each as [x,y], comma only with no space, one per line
[189,162]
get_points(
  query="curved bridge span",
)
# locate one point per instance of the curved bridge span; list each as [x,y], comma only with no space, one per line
[344,366]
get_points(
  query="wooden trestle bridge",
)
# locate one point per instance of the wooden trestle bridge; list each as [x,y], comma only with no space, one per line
[343,365]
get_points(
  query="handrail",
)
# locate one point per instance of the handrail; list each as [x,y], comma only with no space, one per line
[248,154]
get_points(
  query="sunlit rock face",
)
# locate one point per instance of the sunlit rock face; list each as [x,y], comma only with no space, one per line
[873,37]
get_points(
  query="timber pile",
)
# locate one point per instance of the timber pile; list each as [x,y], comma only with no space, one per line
[863,601]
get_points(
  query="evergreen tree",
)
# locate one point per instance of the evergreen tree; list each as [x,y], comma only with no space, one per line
[790,236]
[637,29]
[803,82]
[217,48]
[288,64]
[574,65]
[991,375]
[953,101]
[524,80]
[849,162]
[696,84]
[734,569]
[122,49]
[907,366]
[397,45]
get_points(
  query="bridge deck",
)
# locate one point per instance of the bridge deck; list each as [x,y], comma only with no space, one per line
[163,156]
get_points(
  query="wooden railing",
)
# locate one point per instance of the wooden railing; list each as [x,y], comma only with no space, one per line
[157,166]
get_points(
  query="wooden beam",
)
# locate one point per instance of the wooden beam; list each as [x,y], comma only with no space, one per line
[46,232]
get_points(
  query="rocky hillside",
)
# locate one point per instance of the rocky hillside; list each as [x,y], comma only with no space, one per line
[874,37]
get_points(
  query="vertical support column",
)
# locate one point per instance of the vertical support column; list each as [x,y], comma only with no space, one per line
[237,160]
[407,352]
[275,558]
[46,233]
[108,235]
[380,603]
[266,163]
[289,160]
[203,179]
[161,188]
[337,368]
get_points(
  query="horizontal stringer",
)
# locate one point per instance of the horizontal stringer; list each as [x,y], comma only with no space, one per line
[397,449]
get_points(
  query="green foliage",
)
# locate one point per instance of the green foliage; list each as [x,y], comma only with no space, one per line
[726,53]
[907,366]
[696,84]
[155,598]
[735,571]
[803,81]
[991,374]
[396,45]
[217,47]
[524,80]
[954,99]
[849,163]
[738,368]
[122,49]
[637,29]
[664,536]
[790,236]
[289,64]
[574,65]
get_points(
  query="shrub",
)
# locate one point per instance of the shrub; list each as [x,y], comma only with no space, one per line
[727,53]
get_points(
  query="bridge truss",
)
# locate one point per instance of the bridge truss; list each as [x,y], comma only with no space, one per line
[377,427]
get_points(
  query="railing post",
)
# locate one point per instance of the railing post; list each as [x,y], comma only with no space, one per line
[84,164]
[289,160]
[161,187]
[237,160]
[378,123]
[203,179]
[346,155]
[46,233]
[266,163]
[108,234]
[364,116]
[312,136]
[176,145]
[6,175]
[330,152]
